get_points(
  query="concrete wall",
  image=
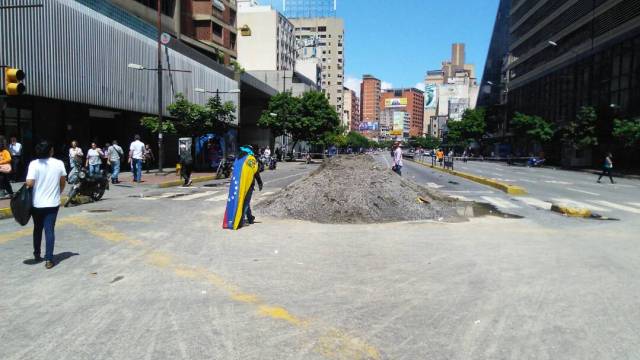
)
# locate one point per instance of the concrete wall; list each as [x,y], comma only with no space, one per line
[258,51]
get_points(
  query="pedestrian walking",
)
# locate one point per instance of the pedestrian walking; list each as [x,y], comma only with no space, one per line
[136,156]
[114,157]
[607,168]
[75,155]
[440,156]
[186,164]
[46,176]
[245,175]
[15,149]
[5,170]
[94,159]
[397,159]
[149,159]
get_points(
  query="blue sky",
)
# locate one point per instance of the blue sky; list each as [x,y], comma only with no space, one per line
[399,40]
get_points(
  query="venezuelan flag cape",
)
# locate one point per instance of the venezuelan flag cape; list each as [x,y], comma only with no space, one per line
[244,170]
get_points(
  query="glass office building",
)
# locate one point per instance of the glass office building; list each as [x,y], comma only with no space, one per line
[309,8]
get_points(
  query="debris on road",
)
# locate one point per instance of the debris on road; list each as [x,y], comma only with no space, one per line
[356,190]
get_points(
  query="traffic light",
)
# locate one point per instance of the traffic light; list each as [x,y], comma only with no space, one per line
[13,81]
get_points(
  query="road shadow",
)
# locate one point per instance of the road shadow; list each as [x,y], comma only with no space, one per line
[57,258]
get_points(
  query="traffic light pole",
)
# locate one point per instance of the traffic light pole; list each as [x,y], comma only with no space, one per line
[160,134]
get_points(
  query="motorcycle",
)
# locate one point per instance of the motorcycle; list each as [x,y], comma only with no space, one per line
[82,183]
[267,162]
[225,168]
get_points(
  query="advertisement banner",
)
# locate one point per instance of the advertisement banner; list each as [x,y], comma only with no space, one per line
[398,123]
[431,96]
[369,126]
[395,102]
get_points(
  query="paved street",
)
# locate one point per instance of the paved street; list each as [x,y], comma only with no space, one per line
[544,186]
[149,273]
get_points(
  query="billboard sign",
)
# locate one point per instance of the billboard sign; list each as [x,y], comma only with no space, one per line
[395,102]
[430,96]
[398,123]
[369,126]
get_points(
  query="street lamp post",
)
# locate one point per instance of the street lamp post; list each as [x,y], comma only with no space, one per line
[160,135]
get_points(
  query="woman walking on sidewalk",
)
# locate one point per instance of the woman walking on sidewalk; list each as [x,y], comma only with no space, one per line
[5,169]
[607,167]
[46,176]
[149,159]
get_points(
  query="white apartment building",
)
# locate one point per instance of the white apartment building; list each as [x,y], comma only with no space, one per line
[323,38]
[266,38]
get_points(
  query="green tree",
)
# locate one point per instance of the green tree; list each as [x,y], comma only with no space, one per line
[357,140]
[531,129]
[282,112]
[152,124]
[425,142]
[627,131]
[581,133]
[470,128]
[316,117]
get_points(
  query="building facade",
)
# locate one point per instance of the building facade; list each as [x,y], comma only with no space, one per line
[409,101]
[370,92]
[266,40]
[323,38]
[567,55]
[351,114]
[208,26]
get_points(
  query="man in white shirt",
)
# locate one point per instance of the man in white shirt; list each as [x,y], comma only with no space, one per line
[114,156]
[136,154]
[397,159]
[46,176]
[15,149]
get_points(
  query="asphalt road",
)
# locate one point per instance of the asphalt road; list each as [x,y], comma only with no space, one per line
[545,187]
[151,275]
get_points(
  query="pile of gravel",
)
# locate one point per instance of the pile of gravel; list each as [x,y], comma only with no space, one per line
[356,190]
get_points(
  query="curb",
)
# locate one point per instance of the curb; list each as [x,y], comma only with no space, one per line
[571,211]
[6,213]
[507,188]
[173,183]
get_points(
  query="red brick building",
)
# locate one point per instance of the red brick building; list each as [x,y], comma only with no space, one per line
[410,100]
[370,99]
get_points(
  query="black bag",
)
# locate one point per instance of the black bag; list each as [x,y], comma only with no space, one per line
[21,205]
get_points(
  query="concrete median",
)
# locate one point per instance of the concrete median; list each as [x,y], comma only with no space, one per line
[507,188]
[571,211]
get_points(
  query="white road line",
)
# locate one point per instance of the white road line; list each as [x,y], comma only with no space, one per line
[218,198]
[286,177]
[470,192]
[558,182]
[527,181]
[535,202]
[196,196]
[584,192]
[434,185]
[579,204]
[634,204]
[616,206]
[161,196]
[266,193]
[500,203]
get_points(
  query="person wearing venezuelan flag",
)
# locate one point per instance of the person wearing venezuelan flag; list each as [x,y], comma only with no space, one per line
[245,175]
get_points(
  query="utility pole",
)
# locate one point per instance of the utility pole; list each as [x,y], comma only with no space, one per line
[160,135]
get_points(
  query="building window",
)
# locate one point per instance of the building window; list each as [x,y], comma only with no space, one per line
[322,28]
[217,29]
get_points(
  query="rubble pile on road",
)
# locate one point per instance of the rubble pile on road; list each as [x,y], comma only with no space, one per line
[355,190]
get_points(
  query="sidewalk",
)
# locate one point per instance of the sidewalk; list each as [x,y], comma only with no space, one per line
[151,179]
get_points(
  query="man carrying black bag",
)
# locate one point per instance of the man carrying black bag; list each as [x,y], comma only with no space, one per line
[46,176]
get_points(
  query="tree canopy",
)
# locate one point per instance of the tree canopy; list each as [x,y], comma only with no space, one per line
[306,118]
[581,132]
[189,119]
[471,128]
[627,131]
[425,142]
[531,128]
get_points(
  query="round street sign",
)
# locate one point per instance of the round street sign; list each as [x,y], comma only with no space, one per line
[165,38]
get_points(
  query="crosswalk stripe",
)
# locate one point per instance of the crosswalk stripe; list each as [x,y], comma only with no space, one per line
[579,204]
[196,196]
[433,185]
[584,192]
[634,204]
[535,202]
[218,198]
[500,203]
[616,206]
[161,196]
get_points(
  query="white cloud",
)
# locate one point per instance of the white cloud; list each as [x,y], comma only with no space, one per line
[420,86]
[353,83]
[386,85]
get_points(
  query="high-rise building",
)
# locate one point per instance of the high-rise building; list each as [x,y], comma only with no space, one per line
[411,101]
[309,8]
[208,26]
[458,54]
[351,113]
[567,55]
[370,89]
[267,40]
[324,38]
